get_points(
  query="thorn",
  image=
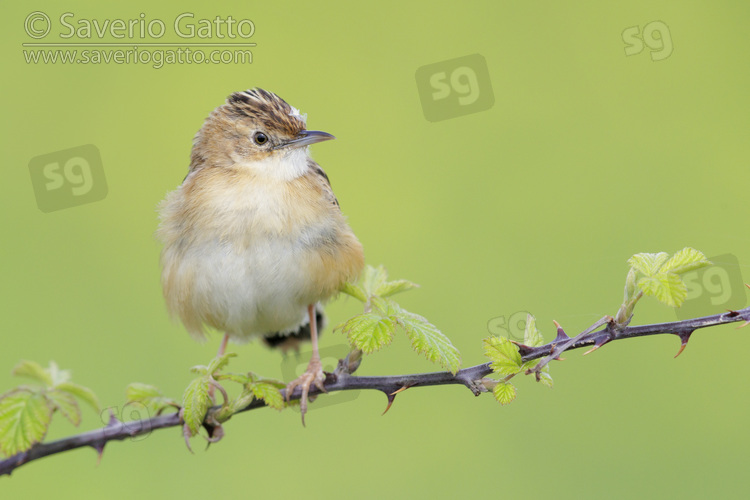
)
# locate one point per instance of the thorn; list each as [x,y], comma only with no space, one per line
[599,343]
[743,325]
[684,338]
[113,420]
[732,313]
[523,349]
[400,390]
[391,398]
[99,447]
[561,335]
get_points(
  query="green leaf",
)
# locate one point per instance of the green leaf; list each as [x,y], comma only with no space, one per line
[149,396]
[369,331]
[24,420]
[686,260]
[506,359]
[545,377]
[83,393]
[355,291]
[220,362]
[372,279]
[393,287]
[235,377]
[195,402]
[668,288]
[630,285]
[237,404]
[386,307]
[268,392]
[504,392]
[66,404]
[531,336]
[648,263]
[34,371]
[58,376]
[428,340]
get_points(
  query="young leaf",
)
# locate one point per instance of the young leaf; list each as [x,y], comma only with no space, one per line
[648,263]
[269,393]
[504,355]
[504,392]
[24,420]
[355,291]
[220,362]
[531,336]
[630,285]
[667,287]
[687,259]
[428,340]
[34,371]
[372,279]
[195,402]
[149,396]
[546,378]
[240,378]
[83,393]
[66,404]
[369,331]
[393,287]
[58,376]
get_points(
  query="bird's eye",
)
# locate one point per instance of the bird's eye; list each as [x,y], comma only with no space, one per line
[260,138]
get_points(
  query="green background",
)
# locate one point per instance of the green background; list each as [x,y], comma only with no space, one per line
[586,157]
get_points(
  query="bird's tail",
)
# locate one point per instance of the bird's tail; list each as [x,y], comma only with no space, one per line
[291,340]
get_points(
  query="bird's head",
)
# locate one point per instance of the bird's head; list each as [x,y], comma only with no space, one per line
[255,128]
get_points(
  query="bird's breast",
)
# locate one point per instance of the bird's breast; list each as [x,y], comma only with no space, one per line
[249,253]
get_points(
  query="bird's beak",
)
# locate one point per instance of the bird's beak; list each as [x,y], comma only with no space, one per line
[306,138]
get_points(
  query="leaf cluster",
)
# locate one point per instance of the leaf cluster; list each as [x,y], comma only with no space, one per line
[505,360]
[26,411]
[383,317]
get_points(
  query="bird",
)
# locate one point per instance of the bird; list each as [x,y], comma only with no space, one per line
[254,241]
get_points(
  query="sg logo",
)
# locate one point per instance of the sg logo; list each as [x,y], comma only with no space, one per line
[455,87]
[714,289]
[656,37]
[68,178]
[511,328]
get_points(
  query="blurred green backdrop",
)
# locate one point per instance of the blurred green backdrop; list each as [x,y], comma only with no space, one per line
[585,156]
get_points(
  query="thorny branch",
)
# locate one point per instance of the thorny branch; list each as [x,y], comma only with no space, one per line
[343,380]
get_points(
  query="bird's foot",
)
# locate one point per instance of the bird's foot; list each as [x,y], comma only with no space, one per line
[313,375]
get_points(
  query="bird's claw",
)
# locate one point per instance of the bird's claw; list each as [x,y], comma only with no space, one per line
[313,376]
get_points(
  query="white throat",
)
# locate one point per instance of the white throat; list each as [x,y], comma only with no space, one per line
[285,166]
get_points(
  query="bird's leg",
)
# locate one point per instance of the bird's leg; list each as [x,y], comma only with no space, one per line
[314,373]
[223,346]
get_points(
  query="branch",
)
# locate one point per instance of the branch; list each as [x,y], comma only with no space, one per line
[343,380]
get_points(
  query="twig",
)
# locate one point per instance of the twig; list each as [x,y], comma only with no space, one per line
[342,380]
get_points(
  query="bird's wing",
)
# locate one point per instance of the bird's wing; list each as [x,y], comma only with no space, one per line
[326,183]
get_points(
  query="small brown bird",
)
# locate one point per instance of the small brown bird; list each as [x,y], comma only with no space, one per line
[254,239]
